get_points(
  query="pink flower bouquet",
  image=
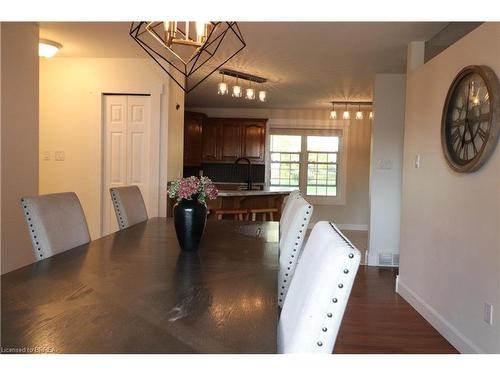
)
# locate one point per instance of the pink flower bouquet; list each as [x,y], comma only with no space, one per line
[193,188]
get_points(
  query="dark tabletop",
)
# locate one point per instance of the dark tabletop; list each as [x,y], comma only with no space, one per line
[134,291]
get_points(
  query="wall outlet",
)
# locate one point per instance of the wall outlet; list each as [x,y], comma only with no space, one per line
[488,313]
[59,156]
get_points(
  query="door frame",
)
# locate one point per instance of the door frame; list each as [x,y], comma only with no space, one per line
[156,93]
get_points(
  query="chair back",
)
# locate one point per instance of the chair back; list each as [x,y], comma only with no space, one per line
[290,245]
[56,223]
[129,205]
[287,204]
[319,291]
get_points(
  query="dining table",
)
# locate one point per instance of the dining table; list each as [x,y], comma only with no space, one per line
[136,291]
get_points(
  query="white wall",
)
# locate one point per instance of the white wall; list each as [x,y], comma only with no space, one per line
[70,121]
[450,244]
[175,130]
[19,137]
[0,140]
[386,165]
[355,213]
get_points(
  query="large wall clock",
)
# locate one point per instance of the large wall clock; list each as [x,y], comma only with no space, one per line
[470,125]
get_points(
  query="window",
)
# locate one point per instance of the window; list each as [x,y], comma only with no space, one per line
[285,160]
[309,160]
[322,155]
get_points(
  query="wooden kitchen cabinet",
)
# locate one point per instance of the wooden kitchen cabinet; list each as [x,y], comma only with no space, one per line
[254,140]
[231,140]
[211,141]
[226,139]
[193,135]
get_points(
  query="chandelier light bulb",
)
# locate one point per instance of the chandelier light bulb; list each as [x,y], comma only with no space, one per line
[237,91]
[250,94]
[359,114]
[222,88]
[371,115]
[202,29]
[333,112]
[346,115]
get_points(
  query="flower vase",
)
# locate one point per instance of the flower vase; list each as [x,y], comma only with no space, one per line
[190,218]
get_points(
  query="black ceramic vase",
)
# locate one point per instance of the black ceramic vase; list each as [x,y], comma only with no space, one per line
[190,218]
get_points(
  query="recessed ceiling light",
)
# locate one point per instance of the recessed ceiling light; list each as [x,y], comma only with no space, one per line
[48,48]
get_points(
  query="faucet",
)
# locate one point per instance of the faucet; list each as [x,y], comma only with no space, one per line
[249,178]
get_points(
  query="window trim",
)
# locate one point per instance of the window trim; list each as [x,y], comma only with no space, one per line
[343,134]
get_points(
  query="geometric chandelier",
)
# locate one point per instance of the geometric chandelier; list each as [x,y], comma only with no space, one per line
[189,52]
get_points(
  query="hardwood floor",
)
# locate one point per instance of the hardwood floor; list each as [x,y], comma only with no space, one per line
[377,320]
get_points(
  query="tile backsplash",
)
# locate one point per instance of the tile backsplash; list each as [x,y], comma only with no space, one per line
[228,172]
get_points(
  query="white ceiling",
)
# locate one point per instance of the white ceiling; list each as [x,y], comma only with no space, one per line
[308,64]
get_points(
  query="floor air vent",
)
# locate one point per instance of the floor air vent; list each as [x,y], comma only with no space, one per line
[388,259]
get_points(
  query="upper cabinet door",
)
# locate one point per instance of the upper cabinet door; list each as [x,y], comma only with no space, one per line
[254,140]
[211,140]
[193,125]
[231,140]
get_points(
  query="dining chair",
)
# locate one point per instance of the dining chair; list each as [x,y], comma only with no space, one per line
[290,243]
[56,223]
[287,204]
[319,291]
[129,205]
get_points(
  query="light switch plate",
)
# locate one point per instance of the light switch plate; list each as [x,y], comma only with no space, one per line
[59,156]
[488,313]
[46,155]
[417,161]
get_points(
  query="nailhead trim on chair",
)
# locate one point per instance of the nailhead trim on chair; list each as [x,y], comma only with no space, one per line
[344,238]
[340,286]
[33,234]
[117,207]
[308,213]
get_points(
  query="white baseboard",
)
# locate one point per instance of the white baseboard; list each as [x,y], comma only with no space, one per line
[345,226]
[444,327]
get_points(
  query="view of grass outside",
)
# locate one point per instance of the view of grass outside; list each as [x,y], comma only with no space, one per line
[320,161]
[322,155]
[285,160]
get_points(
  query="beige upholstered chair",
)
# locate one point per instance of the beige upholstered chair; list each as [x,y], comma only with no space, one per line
[290,245]
[319,291]
[56,223]
[129,205]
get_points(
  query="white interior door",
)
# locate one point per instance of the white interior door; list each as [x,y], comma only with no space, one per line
[126,153]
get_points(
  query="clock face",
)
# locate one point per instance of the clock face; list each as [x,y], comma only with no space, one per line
[470,125]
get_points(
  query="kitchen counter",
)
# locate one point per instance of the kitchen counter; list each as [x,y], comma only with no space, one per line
[242,199]
[252,193]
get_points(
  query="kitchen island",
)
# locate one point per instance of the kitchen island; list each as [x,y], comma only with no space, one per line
[247,199]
